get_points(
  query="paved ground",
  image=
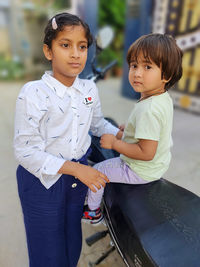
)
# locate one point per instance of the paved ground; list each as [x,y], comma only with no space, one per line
[184,170]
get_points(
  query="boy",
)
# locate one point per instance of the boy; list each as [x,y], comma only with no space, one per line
[155,65]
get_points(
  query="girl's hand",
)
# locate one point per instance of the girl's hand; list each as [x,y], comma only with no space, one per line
[107,141]
[91,177]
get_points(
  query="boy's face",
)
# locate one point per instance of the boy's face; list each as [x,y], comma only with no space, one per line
[68,54]
[145,77]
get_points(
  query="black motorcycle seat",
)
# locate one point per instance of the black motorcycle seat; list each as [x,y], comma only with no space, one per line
[156,224]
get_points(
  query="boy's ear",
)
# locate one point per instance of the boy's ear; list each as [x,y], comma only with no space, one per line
[47,52]
[166,81]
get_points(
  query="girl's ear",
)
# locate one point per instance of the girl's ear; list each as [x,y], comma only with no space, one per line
[47,52]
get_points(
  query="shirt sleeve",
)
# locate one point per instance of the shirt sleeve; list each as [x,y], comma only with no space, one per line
[148,126]
[99,125]
[29,144]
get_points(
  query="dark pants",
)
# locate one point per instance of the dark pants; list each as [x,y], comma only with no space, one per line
[52,219]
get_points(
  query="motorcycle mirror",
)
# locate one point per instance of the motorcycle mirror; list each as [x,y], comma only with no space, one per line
[104,37]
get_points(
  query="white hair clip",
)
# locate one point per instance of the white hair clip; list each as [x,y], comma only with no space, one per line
[54,24]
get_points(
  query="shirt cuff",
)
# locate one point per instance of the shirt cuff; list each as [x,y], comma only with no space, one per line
[114,130]
[49,171]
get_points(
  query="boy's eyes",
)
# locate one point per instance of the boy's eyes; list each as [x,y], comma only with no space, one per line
[147,67]
[134,66]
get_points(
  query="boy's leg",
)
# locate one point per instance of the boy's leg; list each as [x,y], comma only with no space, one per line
[117,172]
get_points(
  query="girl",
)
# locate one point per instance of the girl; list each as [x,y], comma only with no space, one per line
[53,118]
[155,64]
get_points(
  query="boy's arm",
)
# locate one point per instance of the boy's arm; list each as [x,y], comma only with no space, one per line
[86,174]
[143,150]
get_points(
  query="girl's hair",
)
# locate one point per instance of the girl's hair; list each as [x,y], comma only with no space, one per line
[163,51]
[57,24]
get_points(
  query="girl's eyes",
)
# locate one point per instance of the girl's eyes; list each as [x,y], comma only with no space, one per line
[65,45]
[81,47]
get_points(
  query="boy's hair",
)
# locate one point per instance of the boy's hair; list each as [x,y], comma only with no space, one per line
[62,20]
[163,51]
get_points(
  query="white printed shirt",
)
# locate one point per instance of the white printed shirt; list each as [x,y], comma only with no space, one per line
[52,122]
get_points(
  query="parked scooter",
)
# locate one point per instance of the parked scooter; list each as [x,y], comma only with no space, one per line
[155,224]
[103,39]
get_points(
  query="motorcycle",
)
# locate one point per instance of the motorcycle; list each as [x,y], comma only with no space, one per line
[102,40]
[154,224]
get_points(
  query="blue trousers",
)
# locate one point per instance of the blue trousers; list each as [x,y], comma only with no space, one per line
[52,219]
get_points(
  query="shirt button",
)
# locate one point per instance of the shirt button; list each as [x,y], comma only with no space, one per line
[74,185]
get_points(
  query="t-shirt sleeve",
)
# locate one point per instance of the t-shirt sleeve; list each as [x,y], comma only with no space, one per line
[148,126]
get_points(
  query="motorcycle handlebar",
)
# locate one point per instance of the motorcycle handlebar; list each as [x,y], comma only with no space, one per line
[109,66]
[100,73]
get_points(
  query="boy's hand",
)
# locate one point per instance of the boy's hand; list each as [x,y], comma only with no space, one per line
[107,141]
[122,127]
[91,177]
[119,135]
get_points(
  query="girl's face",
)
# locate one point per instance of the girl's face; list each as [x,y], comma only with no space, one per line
[145,77]
[68,54]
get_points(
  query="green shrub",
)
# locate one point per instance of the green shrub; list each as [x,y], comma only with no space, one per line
[112,13]
[10,68]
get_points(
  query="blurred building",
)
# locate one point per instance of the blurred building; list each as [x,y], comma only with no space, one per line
[181,19]
[4,33]
[17,26]
[21,32]
[12,28]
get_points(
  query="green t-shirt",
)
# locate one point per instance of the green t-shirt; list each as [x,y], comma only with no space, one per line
[151,119]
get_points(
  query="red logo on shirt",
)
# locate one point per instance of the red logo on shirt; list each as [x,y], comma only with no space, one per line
[88,100]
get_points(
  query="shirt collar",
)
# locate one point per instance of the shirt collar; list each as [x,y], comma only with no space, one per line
[59,88]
